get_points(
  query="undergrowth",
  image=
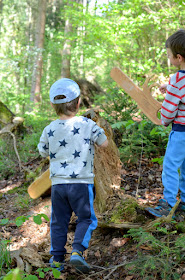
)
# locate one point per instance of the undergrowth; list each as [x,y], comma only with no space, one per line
[160,255]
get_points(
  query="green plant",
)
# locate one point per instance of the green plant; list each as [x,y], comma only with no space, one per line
[5,259]
[22,219]
[22,201]
[164,256]
[141,138]
[117,106]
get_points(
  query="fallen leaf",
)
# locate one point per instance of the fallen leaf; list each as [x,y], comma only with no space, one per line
[129,278]
[97,254]
[118,242]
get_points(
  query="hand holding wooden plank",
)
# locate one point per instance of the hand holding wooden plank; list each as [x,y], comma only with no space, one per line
[148,105]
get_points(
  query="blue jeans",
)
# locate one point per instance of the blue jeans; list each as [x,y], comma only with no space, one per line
[174,161]
[67,198]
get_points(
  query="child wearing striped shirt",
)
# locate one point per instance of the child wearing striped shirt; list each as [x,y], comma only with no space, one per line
[173,112]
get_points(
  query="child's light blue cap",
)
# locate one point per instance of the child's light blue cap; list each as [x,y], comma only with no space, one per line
[66,87]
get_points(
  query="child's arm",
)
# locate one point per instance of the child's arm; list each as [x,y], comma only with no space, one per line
[98,136]
[170,105]
[104,144]
[43,145]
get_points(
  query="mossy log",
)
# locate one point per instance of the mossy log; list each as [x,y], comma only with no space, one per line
[6,116]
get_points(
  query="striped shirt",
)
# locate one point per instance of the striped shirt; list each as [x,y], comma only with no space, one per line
[173,107]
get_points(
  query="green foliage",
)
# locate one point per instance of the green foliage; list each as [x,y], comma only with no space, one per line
[13,274]
[130,35]
[26,141]
[16,274]
[138,138]
[117,106]
[38,218]
[5,259]
[19,221]
[166,253]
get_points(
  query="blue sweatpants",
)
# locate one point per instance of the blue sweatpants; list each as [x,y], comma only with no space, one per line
[174,162]
[67,198]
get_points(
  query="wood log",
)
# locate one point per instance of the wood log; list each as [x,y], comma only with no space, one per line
[6,116]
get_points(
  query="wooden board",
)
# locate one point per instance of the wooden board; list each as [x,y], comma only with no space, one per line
[40,185]
[145,101]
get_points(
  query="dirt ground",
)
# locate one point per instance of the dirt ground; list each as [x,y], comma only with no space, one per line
[109,249]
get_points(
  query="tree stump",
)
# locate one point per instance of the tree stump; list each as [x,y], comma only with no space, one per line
[107,164]
[6,116]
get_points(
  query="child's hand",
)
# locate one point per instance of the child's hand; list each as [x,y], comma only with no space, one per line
[163,88]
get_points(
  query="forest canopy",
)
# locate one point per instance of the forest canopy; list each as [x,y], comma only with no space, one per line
[43,40]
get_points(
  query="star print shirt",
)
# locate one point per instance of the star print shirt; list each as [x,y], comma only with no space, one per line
[70,146]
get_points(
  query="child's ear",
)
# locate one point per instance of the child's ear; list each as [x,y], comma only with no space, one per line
[180,57]
[79,101]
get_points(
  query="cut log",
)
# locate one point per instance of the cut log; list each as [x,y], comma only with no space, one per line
[107,168]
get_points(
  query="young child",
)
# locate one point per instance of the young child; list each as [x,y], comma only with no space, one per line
[70,141]
[173,111]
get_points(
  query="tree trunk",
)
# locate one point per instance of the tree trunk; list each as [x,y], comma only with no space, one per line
[66,52]
[6,116]
[39,44]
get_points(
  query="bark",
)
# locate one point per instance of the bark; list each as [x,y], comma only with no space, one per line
[6,116]
[39,44]
[66,52]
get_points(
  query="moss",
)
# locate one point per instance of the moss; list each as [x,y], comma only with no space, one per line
[127,211]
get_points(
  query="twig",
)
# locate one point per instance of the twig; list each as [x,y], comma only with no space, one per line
[15,147]
[163,219]
[139,178]
[114,268]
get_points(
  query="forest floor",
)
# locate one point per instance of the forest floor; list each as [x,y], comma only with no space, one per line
[109,249]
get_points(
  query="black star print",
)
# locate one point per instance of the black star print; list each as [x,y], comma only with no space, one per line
[87,140]
[63,143]
[92,167]
[44,147]
[62,123]
[99,133]
[53,174]
[73,175]
[52,155]
[90,150]
[95,131]
[64,164]
[50,133]
[76,154]
[75,130]
[85,163]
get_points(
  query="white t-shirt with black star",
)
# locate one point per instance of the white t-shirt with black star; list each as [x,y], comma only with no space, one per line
[70,146]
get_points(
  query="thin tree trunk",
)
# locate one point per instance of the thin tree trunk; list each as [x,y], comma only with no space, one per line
[39,44]
[66,52]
